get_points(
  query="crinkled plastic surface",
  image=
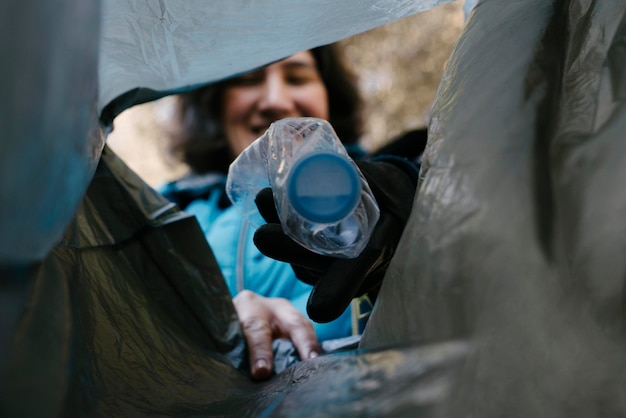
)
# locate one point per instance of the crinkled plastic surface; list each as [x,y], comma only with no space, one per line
[516,240]
[150,48]
[271,159]
[50,141]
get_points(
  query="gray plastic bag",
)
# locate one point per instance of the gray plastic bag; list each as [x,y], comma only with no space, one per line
[517,236]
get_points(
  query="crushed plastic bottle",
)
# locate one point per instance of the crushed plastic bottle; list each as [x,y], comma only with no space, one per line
[323,201]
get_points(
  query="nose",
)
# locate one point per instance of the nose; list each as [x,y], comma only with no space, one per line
[276,98]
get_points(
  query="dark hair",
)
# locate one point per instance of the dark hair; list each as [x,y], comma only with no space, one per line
[201,143]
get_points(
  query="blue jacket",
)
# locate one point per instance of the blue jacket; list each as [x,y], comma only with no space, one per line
[242,264]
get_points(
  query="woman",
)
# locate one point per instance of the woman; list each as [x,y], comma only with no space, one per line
[218,122]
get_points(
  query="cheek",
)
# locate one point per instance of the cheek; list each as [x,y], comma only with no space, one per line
[314,103]
[233,116]
[235,105]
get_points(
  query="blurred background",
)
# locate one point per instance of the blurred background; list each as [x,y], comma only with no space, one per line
[399,67]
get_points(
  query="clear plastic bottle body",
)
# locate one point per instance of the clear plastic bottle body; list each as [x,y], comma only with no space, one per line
[323,201]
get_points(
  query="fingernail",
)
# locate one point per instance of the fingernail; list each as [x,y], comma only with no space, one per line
[313,354]
[261,364]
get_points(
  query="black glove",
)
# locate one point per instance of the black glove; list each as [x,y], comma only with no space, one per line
[337,281]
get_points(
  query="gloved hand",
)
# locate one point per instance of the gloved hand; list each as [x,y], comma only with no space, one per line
[337,281]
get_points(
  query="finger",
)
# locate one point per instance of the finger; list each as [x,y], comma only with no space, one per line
[335,290]
[258,336]
[306,342]
[306,275]
[257,332]
[292,324]
[272,241]
[267,208]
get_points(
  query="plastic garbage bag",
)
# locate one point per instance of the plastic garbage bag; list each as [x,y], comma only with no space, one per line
[50,141]
[152,49]
[516,241]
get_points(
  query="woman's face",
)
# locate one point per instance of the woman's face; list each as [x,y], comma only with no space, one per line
[289,88]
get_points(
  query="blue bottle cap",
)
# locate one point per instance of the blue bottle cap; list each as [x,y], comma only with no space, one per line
[323,187]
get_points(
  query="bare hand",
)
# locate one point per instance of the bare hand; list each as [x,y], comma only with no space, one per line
[265,319]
